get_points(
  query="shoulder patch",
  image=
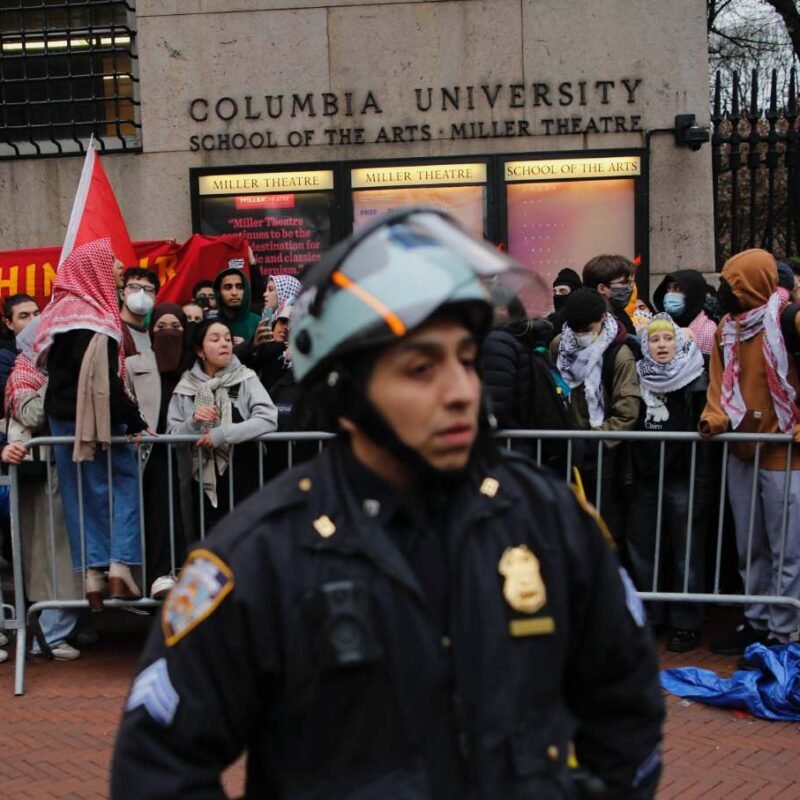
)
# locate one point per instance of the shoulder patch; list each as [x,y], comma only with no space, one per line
[205,581]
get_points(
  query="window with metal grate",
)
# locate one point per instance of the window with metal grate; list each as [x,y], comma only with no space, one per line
[67,71]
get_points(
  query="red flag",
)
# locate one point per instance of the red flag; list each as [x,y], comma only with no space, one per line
[96,214]
[199,258]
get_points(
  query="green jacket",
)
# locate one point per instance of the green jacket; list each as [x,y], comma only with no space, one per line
[244,322]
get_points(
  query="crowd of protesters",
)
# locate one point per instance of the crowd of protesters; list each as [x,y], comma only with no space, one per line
[105,359]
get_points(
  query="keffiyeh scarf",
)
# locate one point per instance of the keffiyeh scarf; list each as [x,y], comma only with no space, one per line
[84,297]
[657,380]
[212,392]
[24,377]
[740,328]
[584,365]
[287,287]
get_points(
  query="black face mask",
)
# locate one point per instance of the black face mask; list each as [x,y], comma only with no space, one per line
[559,301]
[727,300]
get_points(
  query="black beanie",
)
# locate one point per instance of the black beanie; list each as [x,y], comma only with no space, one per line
[583,307]
[568,277]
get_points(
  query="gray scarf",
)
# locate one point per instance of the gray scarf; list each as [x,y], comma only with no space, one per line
[208,391]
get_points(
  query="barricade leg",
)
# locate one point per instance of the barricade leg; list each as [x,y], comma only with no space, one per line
[19,583]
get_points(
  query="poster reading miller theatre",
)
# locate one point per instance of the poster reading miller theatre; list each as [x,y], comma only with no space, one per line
[549,128]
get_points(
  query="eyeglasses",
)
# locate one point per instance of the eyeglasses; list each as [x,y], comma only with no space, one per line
[138,287]
[622,282]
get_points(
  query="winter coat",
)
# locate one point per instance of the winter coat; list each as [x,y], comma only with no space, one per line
[301,635]
[753,282]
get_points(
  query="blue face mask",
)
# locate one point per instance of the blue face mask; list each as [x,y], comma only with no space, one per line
[674,303]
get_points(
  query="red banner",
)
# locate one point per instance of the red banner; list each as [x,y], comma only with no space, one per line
[178,267]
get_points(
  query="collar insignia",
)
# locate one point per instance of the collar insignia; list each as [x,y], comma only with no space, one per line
[490,486]
[324,526]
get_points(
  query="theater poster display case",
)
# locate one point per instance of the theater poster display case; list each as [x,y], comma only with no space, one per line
[561,211]
[288,215]
[549,210]
[460,188]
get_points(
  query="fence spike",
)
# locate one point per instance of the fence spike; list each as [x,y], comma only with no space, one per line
[754,110]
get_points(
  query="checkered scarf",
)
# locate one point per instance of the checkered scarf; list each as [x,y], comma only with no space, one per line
[658,380]
[287,288]
[584,366]
[24,377]
[740,328]
[84,297]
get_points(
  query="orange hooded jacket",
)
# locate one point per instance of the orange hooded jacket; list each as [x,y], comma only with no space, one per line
[752,276]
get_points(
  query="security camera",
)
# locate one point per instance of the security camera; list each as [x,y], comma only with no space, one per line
[688,133]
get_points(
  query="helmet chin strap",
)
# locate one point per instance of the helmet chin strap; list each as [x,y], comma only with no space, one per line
[373,424]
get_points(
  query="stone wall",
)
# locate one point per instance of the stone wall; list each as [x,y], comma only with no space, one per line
[380,66]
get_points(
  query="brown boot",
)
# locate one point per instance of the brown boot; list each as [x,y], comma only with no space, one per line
[121,585]
[96,588]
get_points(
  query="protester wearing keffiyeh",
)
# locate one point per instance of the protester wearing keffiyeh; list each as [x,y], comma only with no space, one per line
[753,389]
[25,378]
[84,296]
[584,365]
[287,287]
[657,380]
[742,327]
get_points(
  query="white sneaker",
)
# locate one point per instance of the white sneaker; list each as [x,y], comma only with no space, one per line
[65,652]
[3,656]
[3,639]
[162,587]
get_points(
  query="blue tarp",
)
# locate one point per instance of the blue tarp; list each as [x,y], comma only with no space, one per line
[772,691]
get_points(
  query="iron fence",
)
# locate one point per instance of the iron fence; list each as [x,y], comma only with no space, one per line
[755,167]
[584,447]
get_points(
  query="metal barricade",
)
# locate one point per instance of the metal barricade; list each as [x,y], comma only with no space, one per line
[174,501]
[12,616]
[603,439]
[276,451]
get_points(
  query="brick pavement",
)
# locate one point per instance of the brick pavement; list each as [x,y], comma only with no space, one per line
[56,741]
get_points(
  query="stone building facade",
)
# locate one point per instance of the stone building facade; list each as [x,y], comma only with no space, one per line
[547,126]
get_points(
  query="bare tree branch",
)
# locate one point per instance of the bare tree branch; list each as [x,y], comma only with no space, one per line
[791,18]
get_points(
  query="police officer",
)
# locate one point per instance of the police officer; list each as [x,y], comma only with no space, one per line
[412,614]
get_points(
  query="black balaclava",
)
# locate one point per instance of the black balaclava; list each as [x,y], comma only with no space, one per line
[728,301]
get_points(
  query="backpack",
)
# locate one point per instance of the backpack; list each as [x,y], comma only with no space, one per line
[548,410]
[609,357]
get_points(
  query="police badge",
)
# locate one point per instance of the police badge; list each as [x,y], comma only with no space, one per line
[523,589]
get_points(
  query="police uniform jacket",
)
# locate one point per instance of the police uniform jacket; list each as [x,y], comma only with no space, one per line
[300,634]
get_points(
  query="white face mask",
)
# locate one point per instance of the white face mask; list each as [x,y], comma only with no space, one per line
[585,339]
[139,303]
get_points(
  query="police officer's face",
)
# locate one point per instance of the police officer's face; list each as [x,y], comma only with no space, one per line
[426,387]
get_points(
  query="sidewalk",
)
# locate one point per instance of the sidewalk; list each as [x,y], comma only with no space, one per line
[56,741]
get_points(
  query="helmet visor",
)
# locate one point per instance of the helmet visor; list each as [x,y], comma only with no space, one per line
[397,273]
